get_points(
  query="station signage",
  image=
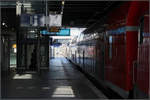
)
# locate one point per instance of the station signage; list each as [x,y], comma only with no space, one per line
[62,32]
[40,20]
[34,20]
[55,20]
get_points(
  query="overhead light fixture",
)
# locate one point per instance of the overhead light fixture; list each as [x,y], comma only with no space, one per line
[32,31]
[3,23]
[27,5]
[63,2]
[24,76]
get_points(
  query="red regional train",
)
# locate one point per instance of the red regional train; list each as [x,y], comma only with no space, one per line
[117,52]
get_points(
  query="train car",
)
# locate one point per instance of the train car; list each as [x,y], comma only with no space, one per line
[112,55]
[143,62]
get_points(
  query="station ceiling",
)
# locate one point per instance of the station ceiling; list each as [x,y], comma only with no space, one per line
[75,13]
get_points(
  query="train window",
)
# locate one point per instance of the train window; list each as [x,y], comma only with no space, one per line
[110,47]
[78,38]
[86,36]
[110,39]
[81,37]
[141,30]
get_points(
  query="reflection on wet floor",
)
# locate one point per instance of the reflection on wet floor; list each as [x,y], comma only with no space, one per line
[61,81]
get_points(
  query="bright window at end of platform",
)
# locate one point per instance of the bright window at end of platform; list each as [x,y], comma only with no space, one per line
[63,91]
[24,76]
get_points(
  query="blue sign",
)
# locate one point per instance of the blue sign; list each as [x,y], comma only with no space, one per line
[117,31]
[44,32]
[62,32]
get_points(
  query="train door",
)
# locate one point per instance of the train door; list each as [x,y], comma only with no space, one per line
[142,79]
[100,58]
[103,58]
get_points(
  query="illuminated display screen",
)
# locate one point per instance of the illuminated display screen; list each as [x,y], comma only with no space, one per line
[62,32]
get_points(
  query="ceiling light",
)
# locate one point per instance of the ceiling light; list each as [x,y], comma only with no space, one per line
[32,31]
[3,23]
[63,2]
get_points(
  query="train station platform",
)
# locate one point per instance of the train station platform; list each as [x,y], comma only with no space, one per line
[62,81]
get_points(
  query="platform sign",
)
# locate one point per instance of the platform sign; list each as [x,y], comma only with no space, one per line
[55,20]
[40,20]
[28,20]
[25,20]
[62,32]
[44,32]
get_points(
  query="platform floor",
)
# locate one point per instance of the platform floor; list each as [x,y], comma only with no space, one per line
[62,81]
